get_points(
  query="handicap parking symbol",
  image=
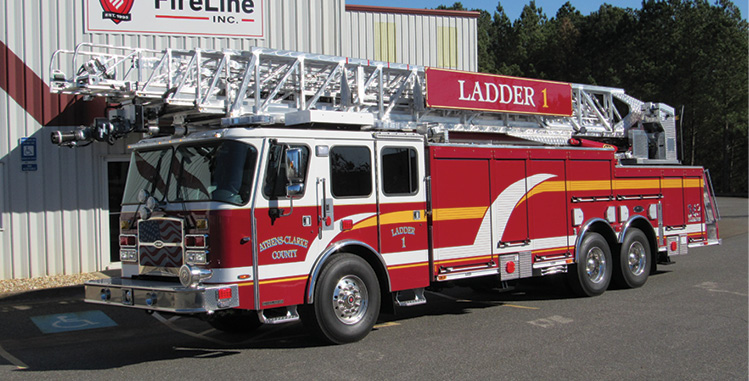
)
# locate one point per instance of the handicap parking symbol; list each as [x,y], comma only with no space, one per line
[73,321]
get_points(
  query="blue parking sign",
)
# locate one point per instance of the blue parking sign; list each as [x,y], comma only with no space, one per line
[28,149]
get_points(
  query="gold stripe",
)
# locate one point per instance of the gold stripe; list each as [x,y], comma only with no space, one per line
[671,183]
[445,214]
[463,260]
[366,223]
[408,266]
[401,217]
[552,249]
[283,280]
[693,183]
[637,184]
[589,185]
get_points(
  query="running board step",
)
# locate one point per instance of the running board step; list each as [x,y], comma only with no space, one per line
[418,298]
[291,315]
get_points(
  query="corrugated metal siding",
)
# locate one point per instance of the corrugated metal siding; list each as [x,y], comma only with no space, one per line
[416,37]
[54,220]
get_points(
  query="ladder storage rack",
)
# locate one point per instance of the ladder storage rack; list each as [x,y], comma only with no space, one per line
[260,86]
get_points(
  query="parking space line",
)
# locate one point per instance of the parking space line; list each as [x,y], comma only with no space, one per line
[171,326]
[386,324]
[482,301]
[12,359]
[521,307]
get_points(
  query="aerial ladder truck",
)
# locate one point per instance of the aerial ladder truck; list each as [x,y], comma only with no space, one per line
[271,186]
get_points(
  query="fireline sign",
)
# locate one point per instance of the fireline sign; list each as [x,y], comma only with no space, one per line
[230,18]
[475,91]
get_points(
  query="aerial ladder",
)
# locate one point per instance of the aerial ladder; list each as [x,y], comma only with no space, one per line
[175,92]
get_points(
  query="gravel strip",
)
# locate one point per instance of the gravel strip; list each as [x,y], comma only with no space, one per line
[30,284]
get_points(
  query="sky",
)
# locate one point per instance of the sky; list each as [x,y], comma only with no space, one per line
[514,7]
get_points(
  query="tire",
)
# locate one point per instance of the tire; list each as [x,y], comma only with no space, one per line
[234,321]
[347,301]
[634,260]
[592,273]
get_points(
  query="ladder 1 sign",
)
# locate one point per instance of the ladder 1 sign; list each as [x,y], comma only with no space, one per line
[476,91]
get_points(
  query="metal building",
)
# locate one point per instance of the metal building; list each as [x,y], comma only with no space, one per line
[58,206]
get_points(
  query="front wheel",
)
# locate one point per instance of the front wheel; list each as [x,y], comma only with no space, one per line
[634,260]
[347,300]
[592,274]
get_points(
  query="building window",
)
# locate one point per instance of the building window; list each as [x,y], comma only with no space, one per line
[400,175]
[447,47]
[350,171]
[385,41]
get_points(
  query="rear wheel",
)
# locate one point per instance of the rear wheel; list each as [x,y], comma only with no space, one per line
[634,260]
[592,274]
[347,300]
[234,321]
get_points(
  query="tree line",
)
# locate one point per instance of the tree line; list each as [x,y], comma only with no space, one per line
[690,54]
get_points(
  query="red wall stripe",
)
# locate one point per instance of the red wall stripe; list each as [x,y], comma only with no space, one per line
[32,94]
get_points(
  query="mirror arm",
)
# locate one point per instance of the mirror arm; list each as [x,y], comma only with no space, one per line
[291,209]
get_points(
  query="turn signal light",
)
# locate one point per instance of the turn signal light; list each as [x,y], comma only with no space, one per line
[127,240]
[198,240]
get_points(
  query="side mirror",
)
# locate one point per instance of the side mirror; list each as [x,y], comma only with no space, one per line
[293,165]
[294,190]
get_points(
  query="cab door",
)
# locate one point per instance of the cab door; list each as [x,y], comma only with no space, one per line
[402,220]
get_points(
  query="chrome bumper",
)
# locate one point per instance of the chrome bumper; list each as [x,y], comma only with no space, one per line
[160,296]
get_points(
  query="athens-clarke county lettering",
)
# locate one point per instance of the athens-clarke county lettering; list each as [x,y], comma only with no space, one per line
[287,240]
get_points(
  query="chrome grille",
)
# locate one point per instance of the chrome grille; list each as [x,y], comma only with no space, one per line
[160,243]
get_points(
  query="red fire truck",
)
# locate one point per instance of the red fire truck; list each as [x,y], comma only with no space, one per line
[272,185]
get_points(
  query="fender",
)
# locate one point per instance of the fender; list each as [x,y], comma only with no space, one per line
[587,226]
[339,246]
[628,225]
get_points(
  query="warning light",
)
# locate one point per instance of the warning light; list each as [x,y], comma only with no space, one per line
[674,246]
[347,224]
[224,293]
[510,267]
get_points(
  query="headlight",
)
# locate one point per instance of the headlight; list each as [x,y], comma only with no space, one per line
[128,256]
[196,257]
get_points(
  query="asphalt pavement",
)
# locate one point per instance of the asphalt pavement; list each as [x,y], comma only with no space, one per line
[688,322]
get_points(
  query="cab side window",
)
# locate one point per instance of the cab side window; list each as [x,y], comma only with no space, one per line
[400,173]
[275,183]
[350,171]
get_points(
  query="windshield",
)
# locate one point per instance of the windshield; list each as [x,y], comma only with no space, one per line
[220,171]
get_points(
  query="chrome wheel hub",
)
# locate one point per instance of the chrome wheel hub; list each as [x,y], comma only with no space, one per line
[636,258]
[595,265]
[350,299]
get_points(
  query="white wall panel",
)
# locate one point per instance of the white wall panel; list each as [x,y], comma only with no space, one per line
[54,220]
[416,35]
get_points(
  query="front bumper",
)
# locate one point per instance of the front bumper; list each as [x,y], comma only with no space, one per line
[161,296]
